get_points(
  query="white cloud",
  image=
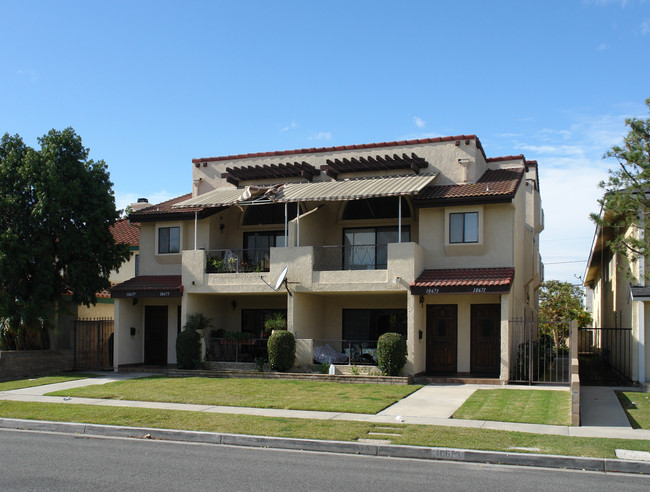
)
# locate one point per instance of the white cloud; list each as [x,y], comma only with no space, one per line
[419,122]
[321,136]
[31,74]
[645,27]
[603,47]
[289,127]
[605,3]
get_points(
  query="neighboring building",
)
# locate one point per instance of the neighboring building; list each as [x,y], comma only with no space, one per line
[424,237]
[618,296]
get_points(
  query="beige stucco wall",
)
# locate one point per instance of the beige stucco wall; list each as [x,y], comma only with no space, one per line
[99,310]
[130,349]
[126,270]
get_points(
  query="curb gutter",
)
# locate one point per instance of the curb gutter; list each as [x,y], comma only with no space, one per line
[387,450]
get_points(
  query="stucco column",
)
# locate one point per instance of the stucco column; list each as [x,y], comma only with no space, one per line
[116,333]
[640,306]
[505,337]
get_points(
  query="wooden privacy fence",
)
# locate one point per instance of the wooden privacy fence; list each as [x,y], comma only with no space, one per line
[93,344]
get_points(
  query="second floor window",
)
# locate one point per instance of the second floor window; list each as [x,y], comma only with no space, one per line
[463,227]
[169,240]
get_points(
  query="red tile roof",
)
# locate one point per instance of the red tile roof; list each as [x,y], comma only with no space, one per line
[125,231]
[497,183]
[464,280]
[344,147]
[519,157]
[143,285]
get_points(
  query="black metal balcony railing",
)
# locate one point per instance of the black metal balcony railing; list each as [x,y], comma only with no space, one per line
[357,352]
[234,350]
[238,260]
[357,257]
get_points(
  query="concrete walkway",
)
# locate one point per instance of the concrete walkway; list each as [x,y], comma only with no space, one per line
[433,404]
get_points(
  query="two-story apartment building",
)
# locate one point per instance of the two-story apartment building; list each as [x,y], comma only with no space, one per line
[429,238]
[618,296]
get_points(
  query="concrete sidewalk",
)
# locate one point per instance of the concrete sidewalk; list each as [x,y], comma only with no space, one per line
[433,404]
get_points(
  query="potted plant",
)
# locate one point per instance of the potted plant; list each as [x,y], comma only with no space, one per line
[275,322]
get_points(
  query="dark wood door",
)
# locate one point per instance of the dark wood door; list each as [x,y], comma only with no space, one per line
[155,335]
[485,348]
[442,339]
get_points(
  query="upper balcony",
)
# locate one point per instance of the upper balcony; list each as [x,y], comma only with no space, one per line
[345,268]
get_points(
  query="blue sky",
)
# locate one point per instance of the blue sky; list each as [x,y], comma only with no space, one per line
[151,85]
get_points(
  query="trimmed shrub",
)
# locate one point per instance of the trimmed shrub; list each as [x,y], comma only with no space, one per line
[282,350]
[391,353]
[188,349]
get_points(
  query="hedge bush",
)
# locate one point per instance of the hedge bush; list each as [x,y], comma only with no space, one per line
[282,350]
[391,353]
[188,349]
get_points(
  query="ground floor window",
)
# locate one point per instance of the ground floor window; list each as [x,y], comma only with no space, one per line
[370,324]
[252,320]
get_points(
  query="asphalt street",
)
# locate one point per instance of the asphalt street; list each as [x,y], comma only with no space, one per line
[51,461]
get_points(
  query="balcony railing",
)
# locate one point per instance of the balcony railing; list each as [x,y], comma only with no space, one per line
[233,350]
[357,352]
[357,257]
[238,260]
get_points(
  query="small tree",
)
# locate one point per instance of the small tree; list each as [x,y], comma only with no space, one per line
[282,350]
[627,193]
[559,303]
[391,353]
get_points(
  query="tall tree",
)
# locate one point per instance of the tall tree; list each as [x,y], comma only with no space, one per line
[56,207]
[627,192]
[560,303]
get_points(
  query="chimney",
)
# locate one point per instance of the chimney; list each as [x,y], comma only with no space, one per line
[140,204]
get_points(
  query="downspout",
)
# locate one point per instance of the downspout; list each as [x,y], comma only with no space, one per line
[286,225]
[196,224]
[298,224]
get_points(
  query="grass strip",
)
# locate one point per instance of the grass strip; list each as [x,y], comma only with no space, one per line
[40,381]
[258,393]
[416,435]
[637,408]
[523,406]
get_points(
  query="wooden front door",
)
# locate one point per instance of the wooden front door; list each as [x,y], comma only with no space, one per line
[442,339]
[155,335]
[485,348]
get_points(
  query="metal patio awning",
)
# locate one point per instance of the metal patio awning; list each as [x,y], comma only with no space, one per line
[337,190]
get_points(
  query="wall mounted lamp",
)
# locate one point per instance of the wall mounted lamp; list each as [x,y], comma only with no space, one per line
[233,304]
[421,301]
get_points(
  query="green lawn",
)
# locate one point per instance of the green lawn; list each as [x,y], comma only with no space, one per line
[55,378]
[513,405]
[260,393]
[637,408]
[417,435]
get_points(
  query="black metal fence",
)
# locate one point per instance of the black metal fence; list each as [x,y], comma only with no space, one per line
[538,352]
[233,350]
[93,344]
[351,257]
[605,356]
[238,260]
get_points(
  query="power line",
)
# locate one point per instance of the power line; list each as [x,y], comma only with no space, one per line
[563,262]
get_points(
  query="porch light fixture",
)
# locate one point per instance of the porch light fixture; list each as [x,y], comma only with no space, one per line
[421,304]
[233,304]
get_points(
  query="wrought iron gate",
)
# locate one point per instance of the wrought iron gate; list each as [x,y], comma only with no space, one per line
[605,356]
[93,344]
[534,356]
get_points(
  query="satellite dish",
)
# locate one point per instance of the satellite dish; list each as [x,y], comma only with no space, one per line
[281,278]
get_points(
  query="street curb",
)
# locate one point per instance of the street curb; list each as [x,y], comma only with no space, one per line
[387,450]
